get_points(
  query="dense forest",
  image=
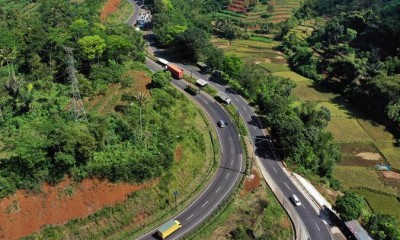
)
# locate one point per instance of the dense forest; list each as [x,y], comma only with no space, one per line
[39,138]
[355,53]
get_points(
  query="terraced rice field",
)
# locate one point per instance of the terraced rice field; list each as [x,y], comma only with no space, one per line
[251,51]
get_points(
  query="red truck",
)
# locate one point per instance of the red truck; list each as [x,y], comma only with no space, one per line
[175,71]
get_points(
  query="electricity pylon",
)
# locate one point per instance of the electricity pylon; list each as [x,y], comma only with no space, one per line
[77,103]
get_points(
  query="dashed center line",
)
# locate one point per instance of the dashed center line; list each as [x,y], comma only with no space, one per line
[189,217]
[204,204]
[227,175]
[244,108]
[275,170]
[287,185]
[231,162]
[317,227]
[218,189]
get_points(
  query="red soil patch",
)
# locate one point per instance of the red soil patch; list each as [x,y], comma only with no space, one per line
[110,7]
[252,183]
[25,213]
[178,153]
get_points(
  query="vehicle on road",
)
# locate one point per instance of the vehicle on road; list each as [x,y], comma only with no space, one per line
[175,71]
[221,123]
[295,200]
[168,228]
[224,97]
[192,89]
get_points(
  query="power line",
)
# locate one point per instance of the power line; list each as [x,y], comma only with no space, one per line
[79,112]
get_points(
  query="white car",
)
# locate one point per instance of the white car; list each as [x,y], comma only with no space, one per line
[295,200]
[221,123]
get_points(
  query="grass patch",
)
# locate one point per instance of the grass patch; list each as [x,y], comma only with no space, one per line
[347,129]
[391,153]
[375,130]
[353,177]
[272,67]
[380,203]
[293,76]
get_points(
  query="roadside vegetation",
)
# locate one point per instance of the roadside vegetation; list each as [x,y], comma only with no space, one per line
[343,106]
[138,129]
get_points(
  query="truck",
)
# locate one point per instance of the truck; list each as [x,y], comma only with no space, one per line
[168,228]
[192,89]
[224,97]
[175,71]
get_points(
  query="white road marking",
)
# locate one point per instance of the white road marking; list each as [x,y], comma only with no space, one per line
[189,217]
[254,127]
[227,175]
[218,189]
[287,185]
[204,204]
[231,162]
[244,108]
[303,206]
[317,227]
[275,170]
[236,99]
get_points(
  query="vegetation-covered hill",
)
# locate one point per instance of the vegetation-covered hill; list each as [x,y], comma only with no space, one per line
[39,139]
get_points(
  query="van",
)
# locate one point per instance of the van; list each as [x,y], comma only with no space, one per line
[295,200]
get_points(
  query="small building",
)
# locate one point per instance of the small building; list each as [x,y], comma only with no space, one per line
[357,230]
[201,82]
[224,97]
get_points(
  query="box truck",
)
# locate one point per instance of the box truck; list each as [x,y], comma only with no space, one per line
[168,228]
[175,71]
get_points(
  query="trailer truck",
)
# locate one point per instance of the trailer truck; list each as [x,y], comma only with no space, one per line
[175,71]
[168,228]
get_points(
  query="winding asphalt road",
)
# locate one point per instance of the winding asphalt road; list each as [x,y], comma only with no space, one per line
[228,175]
[316,226]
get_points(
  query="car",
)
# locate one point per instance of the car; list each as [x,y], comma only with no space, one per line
[295,200]
[221,123]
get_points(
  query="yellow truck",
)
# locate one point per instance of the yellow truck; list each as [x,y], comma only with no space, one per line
[168,228]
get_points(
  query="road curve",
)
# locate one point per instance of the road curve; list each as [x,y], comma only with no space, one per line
[228,175]
[315,225]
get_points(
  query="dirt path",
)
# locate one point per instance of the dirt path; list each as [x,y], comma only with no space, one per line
[25,213]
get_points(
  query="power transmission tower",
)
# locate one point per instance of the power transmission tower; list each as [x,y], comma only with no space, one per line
[79,110]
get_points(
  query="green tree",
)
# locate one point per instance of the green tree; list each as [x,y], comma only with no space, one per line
[160,79]
[232,65]
[92,46]
[349,206]
[79,28]
[118,46]
[383,227]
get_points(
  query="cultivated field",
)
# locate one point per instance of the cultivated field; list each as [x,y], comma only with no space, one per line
[364,143]
[251,51]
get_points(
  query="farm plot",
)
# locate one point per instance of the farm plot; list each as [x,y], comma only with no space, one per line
[355,177]
[360,155]
[251,51]
[380,203]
